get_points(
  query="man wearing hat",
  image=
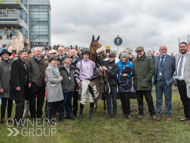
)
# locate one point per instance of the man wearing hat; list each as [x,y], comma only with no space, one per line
[144,71]
[83,73]
[112,70]
[67,71]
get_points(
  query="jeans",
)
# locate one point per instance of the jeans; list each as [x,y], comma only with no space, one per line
[162,87]
[66,104]
[113,94]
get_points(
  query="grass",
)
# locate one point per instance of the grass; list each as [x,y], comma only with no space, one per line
[119,130]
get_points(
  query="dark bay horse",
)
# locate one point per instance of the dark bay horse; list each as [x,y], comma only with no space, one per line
[98,53]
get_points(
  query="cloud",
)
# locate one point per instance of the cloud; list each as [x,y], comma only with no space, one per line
[146,23]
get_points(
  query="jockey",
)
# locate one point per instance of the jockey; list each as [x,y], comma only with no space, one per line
[83,73]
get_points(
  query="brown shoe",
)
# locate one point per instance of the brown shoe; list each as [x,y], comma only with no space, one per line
[3,121]
[153,117]
[184,119]
[168,118]
[159,118]
[108,116]
[140,117]
[188,122]
[115,116]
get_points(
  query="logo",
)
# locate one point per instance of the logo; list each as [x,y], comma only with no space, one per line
[28,127]
[110,67]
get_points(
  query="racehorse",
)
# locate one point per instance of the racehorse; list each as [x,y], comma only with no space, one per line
[97,54]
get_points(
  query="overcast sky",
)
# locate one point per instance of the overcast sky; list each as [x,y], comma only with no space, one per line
[138,22]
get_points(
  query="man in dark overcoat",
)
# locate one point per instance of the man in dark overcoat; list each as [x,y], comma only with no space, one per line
[19,85]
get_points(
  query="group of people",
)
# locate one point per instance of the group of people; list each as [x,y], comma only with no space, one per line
[64,76]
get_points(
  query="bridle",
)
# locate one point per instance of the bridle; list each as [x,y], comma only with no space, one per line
[93,45]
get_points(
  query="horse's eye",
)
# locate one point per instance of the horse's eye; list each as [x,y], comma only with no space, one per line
[94,45]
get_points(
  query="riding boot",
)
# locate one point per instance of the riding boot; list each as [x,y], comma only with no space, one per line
[48,111]
[91,111]
[81,110]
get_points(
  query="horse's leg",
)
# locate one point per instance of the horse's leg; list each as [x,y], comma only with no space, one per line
[105,106]
[95,108]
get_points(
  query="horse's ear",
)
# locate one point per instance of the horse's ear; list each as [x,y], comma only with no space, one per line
[98,38]
[92,38]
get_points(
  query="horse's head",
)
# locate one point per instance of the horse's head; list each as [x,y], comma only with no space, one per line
[96,46]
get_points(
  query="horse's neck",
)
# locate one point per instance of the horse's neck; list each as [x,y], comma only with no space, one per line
[93,57]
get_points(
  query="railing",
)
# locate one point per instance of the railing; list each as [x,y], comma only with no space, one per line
[8,36]
[9,15]
[6,20]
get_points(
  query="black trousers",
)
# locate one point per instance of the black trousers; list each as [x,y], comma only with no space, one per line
[40,92]
[148,97]
[183,95]
[3,107]
[51,104]
[75,102]
[19,110]
[125,102]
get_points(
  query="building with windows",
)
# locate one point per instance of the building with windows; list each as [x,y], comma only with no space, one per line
[31,17]
[40,23]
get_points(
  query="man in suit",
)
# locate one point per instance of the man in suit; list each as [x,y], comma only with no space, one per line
[183,78]
[164,70]
[60,55]
[19,85]
[74,62]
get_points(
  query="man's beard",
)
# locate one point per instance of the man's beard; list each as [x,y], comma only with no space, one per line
[184,51]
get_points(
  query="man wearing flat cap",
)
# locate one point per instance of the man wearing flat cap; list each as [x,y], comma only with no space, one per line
[67,71]
[144,71]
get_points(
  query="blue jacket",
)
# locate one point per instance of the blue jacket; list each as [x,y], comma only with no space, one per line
[121,66]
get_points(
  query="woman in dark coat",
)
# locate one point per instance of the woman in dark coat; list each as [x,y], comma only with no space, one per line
[5,69]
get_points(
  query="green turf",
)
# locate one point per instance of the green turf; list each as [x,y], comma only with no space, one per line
[119,130]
